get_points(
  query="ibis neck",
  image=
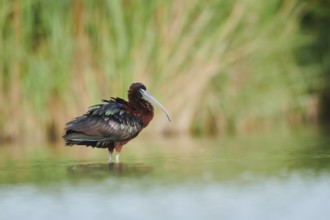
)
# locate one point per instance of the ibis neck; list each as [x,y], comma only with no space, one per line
[141,109]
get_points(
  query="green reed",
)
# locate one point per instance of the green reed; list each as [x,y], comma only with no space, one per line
[218,66]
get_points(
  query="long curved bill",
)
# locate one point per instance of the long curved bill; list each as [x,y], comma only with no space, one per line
[150,98]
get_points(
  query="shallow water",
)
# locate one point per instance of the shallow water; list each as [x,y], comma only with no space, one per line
[274,176]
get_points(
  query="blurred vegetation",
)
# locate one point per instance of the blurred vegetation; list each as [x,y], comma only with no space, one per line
[315,55]
[218,66]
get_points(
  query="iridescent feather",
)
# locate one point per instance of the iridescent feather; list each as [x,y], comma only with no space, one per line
[103,124]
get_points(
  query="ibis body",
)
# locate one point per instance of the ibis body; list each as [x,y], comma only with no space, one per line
[114,122]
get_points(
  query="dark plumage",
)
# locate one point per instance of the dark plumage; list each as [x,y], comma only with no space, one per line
[114,122]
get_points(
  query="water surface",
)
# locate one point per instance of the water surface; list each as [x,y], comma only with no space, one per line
[271,176]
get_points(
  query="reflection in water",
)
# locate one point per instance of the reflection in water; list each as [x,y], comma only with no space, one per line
[106,170]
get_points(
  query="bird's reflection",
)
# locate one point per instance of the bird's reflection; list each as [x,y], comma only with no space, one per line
[110,169]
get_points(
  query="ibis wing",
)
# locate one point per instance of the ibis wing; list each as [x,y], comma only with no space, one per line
[104,128]
[104,123]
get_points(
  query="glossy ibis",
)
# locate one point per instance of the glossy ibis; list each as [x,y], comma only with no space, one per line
[113,123]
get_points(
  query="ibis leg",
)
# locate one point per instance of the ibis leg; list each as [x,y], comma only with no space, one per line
[110,149]
[118,150]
